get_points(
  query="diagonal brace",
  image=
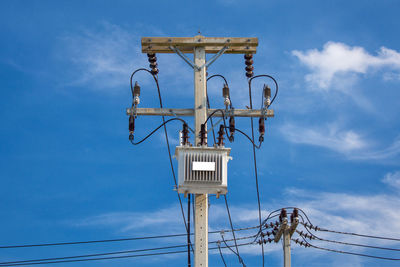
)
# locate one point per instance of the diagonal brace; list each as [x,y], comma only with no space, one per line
[194,66]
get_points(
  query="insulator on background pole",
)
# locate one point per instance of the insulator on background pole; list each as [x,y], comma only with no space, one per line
[203,137]
[185,136]
[232,128]
[221,135]
[136,94]
[295,214]
[283,215]
[131,126]
[153,63]
[261,129]
[267,96]
[226,95]
[249,65]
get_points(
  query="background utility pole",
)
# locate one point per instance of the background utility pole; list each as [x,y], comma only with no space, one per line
[286,231]
[199,46]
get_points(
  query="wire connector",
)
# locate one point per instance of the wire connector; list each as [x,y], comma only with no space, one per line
[221,133]
[136,94]
[203,135]
[231,129]
[185,136]
[131,127]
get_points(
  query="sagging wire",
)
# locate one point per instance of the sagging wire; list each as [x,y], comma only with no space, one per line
[232,128]
[154,73]
[156,129]
[236,253]
[220,253]
[233,231]
[307,244]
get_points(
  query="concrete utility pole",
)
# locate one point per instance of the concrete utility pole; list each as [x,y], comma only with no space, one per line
[199,46]
[286,231]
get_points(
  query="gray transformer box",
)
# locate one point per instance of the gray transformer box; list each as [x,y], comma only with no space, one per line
[202,170]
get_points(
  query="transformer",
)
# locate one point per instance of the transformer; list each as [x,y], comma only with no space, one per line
[202,170]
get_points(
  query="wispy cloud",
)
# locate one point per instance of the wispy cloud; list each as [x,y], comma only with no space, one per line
[358,213]
[338,58]
[104,58]
[392,179]
[328,136]
[345,141]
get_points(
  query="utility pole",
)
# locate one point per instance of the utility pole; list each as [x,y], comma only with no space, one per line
[199,46]
[286,231]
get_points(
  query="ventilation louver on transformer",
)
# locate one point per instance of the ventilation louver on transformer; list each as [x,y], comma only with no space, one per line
[202,170]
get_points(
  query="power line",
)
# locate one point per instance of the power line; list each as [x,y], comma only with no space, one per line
[220,253]
[156,129]
[116,240]
[255,172]
[108,253]
[91,255]
[348,233]
[313,236]
[154,75]
[169,154]
[108,258]
[233,231]
[226,201]
[349,253]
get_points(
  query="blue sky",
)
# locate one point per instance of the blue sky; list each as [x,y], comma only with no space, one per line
[68,171]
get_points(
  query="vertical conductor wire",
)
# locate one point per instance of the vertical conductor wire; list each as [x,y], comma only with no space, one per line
[155,77]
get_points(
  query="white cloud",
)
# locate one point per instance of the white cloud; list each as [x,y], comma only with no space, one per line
[352,144]
[392,179]
[338,58]
[330,136]
[103,59]
[364,214]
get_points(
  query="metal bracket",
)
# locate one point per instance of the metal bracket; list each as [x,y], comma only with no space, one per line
[194,66]
[185,58]
[217,55]
[264,111]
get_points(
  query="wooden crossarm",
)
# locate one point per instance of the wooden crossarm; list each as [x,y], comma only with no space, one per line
[237,45]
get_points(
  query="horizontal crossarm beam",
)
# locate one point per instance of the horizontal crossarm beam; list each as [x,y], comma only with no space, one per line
[190,112]
[235,45]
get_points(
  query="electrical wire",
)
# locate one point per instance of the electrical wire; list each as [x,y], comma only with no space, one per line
[156,129]
[350,253]
[108,253]
[155,77]
[233,231]
[220,253]
[237,254]
[116,240]
[360,235]
[350,244]
[255,172]
[169,153]
[188,231]
[223,117]
[43,261]
[212,126]
[226,82]
[91,255]
[270,77]
[248,137]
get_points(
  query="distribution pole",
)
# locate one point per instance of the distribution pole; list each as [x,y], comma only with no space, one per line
[286,231]
[201,200]
[199,46]
[286,247]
